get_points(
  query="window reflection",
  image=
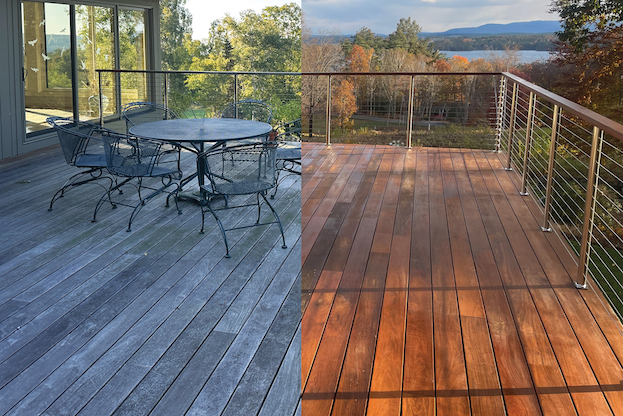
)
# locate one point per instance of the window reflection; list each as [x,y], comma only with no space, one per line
[95,50]
[47,63]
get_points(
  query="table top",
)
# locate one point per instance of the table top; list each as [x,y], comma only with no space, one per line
[194,130]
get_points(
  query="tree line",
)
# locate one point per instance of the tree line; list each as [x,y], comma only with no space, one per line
[269,40]
[538,42]
[404,50]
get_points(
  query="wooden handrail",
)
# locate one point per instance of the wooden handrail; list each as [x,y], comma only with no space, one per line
[609,126]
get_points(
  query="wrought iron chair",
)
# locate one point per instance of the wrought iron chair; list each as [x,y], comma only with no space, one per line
[144,112]
[251,172]
[77,139]
[288,154]
[135,158]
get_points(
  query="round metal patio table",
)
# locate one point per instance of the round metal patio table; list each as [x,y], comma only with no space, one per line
[194,133]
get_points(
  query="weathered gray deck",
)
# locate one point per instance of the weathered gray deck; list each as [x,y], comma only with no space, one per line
[95,320]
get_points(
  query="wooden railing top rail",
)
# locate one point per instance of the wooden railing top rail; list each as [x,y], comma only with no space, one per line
[609,126]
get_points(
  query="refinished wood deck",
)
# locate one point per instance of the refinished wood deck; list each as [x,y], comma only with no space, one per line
[429,288]
[95,320]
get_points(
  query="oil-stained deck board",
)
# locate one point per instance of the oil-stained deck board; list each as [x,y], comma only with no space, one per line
[97,320]
[491,321]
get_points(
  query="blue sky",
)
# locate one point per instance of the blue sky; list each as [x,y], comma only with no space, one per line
[348,16]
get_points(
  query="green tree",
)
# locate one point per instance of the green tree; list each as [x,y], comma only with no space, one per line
[175,24]
[406,36]
[581,17]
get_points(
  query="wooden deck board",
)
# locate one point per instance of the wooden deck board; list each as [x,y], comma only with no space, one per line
[96,320]
[464,307]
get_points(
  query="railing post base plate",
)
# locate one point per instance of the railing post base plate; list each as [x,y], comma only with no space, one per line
[508,169]
[524,193]
[546,230]
[579,286]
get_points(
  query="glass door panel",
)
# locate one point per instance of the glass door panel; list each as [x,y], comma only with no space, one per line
[47,63]
[132,52]
[95,50]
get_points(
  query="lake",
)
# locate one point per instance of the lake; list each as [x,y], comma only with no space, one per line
[524,56]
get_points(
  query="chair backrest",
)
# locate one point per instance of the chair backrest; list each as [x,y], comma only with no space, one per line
[142,112]
[248,110]
[242,169]
[130,156]
[74,136]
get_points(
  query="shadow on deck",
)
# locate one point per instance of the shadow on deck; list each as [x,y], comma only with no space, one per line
[97,321]
[429,288]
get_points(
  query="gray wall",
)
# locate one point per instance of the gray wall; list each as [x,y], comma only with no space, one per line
[12,128]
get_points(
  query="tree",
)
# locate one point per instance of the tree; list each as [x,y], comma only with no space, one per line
[343,102]
[175,23]
[406,37]
[589,52]
[582,17]
[317,56]
[595,80]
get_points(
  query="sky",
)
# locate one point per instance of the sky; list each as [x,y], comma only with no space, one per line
[348,16]
[205,12]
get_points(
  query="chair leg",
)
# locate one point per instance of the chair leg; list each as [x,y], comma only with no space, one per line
[107,194]
[278,171]
[142,202]
[218,221]
[278,220]
[72,183]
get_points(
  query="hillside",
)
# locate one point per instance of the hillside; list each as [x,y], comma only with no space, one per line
[534,27]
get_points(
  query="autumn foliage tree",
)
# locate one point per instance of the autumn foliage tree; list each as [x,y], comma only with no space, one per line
[343,102]
[589,52]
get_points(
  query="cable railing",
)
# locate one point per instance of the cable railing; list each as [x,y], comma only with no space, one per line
[570,161]
[569,158]
[449,109]
[196,94]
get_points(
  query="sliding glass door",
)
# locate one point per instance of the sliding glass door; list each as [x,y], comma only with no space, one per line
[47,63]
[64,45]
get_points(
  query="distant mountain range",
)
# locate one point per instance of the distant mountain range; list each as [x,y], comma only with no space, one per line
[534,27]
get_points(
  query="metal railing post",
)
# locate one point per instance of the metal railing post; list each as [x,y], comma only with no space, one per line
[99,82]
[511,128]
[589,208]
[500,114]
[236,91]
[166,90]
[526,155]
[328,142]
[550,168]
[410,115]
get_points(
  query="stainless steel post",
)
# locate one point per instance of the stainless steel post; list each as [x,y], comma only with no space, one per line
[166,89]
[550,168]
[99,82]
[500,114]
[526,155]
[589,208]
[410,115]
[511,129]
[328,142]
